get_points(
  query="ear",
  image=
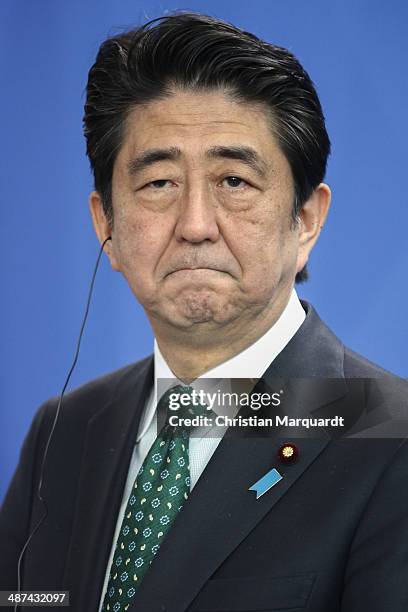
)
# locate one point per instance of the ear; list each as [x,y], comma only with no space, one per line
[312,217]
[102,227]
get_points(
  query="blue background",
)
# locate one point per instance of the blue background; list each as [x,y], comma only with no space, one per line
[356,53]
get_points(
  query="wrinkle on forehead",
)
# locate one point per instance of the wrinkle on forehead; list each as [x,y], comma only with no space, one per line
[159,113]
[197,122]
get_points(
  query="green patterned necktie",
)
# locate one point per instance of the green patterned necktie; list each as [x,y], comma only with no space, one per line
[161,488]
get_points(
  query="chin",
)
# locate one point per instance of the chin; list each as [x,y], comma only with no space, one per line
[193,309]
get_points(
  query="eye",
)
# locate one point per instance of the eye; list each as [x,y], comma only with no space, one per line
[235,182]
[158,184]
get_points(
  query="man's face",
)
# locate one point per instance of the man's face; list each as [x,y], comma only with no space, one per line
[202,200]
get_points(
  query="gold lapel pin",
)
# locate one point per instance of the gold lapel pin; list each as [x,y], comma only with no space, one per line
[288,453]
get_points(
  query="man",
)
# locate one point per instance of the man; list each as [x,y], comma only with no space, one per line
[209,149]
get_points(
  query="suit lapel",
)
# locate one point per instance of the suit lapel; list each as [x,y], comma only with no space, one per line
[219,514]
[110,439]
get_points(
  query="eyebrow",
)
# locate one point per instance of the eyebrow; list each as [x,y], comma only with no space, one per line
[244,154]
[150,157]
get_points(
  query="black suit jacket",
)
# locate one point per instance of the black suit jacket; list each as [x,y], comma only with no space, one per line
[331,536]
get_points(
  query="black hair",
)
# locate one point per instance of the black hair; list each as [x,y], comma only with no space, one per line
[198,52]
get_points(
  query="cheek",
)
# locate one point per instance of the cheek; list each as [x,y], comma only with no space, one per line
[256,236]
[265,247]
[140,242]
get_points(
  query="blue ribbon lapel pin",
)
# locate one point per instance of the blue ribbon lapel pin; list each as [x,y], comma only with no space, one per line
[265,483]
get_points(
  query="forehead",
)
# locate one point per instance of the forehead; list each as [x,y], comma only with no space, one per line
[196,121]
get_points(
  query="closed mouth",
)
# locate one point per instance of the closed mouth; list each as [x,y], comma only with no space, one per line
[190,269]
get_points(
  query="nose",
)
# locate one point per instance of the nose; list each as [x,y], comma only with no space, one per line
[197,219]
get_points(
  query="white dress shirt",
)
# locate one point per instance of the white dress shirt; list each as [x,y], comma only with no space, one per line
[250,363]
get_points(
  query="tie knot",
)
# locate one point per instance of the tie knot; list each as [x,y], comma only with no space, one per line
[183,401]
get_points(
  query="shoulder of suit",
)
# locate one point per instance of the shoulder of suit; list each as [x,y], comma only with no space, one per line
[357,366]
[381,387]
[84,401]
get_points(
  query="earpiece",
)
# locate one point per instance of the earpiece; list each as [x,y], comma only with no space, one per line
[57,413]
